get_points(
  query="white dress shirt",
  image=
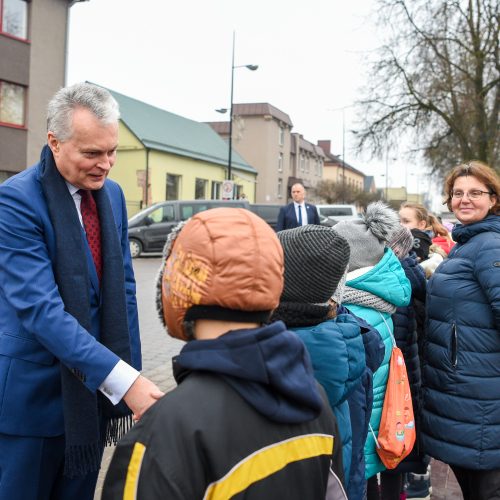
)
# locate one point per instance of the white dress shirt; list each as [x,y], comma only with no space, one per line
[122,376]
[302,208]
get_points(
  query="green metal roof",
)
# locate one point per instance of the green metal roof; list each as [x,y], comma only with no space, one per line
[163,131]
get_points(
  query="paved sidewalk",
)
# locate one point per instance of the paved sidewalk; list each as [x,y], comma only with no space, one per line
[444,484]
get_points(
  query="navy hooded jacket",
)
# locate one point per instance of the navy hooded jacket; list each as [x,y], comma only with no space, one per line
[461,373]
[269,368]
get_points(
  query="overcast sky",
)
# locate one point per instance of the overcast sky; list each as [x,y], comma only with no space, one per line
[177,55]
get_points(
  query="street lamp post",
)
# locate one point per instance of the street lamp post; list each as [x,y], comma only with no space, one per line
[343,155]
[387,175]
[251,67]
[417,177]
[343,108]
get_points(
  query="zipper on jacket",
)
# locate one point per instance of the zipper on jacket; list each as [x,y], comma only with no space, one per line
[334,488]
[454,345]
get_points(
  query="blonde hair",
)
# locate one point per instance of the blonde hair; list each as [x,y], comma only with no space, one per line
[431,221]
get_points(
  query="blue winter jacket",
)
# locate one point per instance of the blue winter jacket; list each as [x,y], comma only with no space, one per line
[461,373]
[338,359]
[408,330]
[386,280]
[360,407]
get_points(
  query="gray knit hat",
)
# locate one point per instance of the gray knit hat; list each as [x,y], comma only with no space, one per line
[369,235]
[401,242]
[315,260]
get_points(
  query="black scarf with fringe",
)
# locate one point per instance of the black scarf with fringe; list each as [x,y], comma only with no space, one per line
[90,419]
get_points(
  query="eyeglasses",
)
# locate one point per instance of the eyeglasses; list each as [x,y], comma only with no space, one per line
[475,194]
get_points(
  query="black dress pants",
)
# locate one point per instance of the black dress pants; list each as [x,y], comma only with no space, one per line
[478,484]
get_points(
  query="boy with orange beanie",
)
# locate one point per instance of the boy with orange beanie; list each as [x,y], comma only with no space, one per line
[247,419]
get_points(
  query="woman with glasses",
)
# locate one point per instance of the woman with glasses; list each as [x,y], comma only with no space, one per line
[461,373]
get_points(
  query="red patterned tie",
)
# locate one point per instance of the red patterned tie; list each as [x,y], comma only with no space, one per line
[90,218]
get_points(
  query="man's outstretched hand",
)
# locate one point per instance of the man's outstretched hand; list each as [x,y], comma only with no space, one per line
[142,394]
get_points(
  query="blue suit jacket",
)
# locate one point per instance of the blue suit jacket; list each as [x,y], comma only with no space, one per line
[36,333]
[287,217]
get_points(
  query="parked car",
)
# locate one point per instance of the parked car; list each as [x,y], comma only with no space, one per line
[148,229]
[267,212]
[331,214]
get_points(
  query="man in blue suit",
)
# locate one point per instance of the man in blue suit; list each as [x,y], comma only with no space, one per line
[298,213]
[69,334]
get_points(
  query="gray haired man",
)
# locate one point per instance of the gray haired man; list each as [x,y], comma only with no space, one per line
[69,334]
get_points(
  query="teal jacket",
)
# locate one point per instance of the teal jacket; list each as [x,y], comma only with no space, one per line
[338,358]
[388,281]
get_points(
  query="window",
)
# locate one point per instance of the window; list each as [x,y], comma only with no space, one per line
[318,167]
[280,162]
[216,190]
[280,188]
[173,182]
[302,162]
[238,191]
[188,210]
[281,137]
[12,103]
[200,189]
[163,214]
[14,18]
[307,164]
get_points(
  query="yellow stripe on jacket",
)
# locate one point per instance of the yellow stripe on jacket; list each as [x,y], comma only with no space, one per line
[133,472]
[267,461]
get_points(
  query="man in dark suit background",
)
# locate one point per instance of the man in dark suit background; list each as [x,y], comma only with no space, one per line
[69,335]
[298,213]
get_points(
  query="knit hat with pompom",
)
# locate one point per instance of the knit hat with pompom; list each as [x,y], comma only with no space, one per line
[369,236]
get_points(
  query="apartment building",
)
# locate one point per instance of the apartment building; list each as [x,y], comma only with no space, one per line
[262,135]
[32,68]
[337,171]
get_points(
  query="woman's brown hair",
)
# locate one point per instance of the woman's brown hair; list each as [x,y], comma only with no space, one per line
[482,173]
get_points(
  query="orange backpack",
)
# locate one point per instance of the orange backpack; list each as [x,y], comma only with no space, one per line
[396,435]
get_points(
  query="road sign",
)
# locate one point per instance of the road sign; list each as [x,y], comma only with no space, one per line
[227,190]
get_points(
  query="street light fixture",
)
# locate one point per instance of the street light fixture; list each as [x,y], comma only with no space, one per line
[251,67]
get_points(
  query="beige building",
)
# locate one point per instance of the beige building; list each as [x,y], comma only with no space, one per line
[395,196]
[307,164]
[262,135]
[32,68]
[336,171]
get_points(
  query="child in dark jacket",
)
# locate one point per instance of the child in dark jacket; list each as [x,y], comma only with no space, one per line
[315,260]
[360,403]
[408,333]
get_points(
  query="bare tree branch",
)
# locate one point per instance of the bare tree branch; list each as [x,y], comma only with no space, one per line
[437,78]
